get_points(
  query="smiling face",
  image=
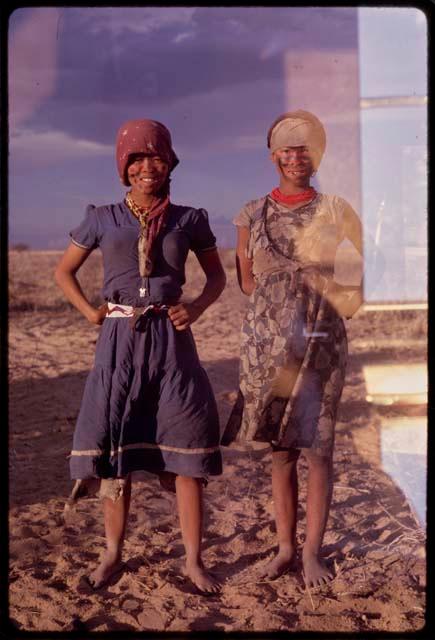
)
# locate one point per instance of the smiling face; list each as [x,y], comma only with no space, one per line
[294,166]
[147,173]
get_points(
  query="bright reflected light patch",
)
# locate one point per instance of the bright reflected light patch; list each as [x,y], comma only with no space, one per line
[404,458]
[405,435]
[393,383]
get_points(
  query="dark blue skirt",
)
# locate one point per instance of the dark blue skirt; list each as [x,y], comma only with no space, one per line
[147,405]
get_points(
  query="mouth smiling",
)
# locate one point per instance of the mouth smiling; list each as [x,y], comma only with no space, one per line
[148,180]
[300,171]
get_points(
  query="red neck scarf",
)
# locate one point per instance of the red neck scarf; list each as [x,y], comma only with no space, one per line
[277,195]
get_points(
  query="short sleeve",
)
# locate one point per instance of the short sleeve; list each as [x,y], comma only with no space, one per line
[242,219]
[249,213]
[86,234]
[201,236]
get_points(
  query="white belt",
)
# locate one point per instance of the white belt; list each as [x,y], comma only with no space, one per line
[127,311]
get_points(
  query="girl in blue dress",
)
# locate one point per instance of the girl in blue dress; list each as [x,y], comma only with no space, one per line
[147,404]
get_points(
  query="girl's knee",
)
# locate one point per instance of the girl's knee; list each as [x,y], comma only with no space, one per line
[282,456]
[318,460]
[189,481]
[114,488]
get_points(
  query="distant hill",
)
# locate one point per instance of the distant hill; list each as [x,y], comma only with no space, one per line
[225,232]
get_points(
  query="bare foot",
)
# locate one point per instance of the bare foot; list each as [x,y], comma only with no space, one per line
[110,564]
[281,563]
[316,573]
[203,581]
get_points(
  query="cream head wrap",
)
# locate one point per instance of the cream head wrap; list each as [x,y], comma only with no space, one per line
[297,129]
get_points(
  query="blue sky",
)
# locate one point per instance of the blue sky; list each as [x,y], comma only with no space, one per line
[214,76]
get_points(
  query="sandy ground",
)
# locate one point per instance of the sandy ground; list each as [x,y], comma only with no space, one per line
[373,540]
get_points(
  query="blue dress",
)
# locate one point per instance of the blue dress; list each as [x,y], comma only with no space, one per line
[147,404]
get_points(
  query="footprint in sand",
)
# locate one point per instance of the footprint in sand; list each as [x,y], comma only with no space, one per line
[131,605]
[59,585]
[44,570]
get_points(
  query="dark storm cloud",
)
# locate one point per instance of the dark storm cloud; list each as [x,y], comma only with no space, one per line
[114,61]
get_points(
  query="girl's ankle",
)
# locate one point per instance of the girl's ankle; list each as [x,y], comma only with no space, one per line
[194,561]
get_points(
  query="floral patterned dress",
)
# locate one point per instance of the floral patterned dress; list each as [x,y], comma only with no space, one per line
[293,349]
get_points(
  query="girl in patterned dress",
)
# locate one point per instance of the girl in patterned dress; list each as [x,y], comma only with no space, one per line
[147,404]
[293,342]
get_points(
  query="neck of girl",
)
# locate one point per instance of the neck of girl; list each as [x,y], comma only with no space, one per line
[144,201]
[290,189]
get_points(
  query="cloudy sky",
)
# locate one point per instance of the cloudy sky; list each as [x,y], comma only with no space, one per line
[214,76]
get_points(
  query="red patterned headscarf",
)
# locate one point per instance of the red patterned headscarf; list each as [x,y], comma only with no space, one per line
[143,136]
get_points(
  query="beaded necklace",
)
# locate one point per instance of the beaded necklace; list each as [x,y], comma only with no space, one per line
[143,250]
[141,213]
[296,198]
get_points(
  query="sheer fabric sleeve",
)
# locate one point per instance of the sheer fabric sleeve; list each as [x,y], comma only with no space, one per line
[373,260]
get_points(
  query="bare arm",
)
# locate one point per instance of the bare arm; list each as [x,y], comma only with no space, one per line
[183,314]
[374,261]
[353,229]
[347,300]
[243,263]
[65,276]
